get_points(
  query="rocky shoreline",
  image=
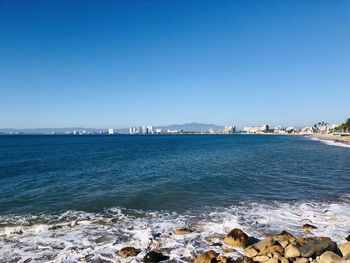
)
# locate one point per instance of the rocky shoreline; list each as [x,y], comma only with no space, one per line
[281,248]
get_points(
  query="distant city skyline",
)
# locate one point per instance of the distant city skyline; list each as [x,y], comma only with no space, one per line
[121,64]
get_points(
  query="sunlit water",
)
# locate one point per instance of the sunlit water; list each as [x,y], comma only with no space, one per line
[72,197]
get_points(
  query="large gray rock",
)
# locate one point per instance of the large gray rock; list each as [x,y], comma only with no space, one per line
[316,247]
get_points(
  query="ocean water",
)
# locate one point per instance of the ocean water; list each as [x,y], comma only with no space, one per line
[81,198]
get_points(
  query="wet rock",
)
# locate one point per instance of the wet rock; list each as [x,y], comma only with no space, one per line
[244,259]
[316,247]
[217,244]
[128,252]
[102,239]
[237,238]
[206,257]
[308,227]
[154,257]
[183,231]
[329,257]
[345,249]
[348,238]
[291,251]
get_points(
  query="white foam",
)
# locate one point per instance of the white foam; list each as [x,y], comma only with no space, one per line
[102,235]
[330,142]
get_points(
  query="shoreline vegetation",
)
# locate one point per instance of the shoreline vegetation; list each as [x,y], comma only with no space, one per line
[281,248]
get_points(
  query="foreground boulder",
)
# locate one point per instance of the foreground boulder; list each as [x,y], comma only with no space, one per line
[345,249]
[237,238]
[329,257]
[154,257]
[316,247]
[291,251]
[128,252]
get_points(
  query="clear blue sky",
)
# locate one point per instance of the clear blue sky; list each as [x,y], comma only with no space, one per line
[121,63]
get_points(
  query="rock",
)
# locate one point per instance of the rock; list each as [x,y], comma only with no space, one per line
[206,257]
[283,260]
[261,258]
[301,260]
[272,260]
[345,249]
[154,257]
[291,251]
[308,227]
[183,231]
[244,259]
[102,239]
[263,244]
[251,252]
[348,238]
[223,259]
[329,257]
[128,252]
[237,238]
[316,247]
[272,250]
[302,241]
[284,238]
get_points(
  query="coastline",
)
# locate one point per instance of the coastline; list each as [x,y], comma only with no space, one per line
[332,137]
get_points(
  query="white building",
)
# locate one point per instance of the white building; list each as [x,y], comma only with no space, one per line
[144,130]
[110,131]
[229,129]
[256,129]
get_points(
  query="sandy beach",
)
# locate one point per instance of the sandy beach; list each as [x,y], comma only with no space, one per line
[337,138]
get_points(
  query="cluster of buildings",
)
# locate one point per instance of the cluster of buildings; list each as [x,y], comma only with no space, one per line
[320,127]
[80,132]
[144,130]
[256,129]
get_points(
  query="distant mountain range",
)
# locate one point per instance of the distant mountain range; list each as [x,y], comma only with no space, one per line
[194,126]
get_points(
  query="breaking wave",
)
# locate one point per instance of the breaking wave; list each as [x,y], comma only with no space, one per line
[331,142]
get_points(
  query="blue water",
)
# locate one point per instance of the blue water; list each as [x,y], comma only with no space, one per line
[44,174]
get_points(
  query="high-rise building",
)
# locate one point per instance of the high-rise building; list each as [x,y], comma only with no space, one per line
[229,129]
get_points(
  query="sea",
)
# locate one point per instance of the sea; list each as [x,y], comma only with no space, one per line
[83,198]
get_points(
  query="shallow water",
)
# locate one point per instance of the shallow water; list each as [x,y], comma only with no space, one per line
[76,198]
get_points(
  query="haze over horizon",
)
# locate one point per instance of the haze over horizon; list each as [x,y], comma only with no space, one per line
[121,64]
